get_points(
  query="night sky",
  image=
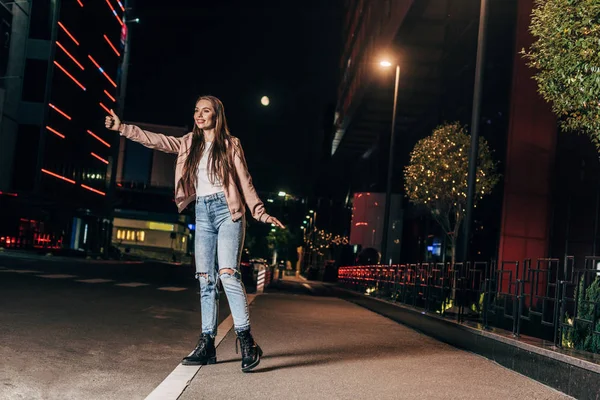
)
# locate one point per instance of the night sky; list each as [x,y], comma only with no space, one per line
[240,51]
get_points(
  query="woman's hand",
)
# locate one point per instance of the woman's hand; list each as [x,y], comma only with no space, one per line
[275,221]
[112,122]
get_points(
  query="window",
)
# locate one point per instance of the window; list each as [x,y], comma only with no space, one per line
[34,80]
[40,26]
[25,161]
[131,235]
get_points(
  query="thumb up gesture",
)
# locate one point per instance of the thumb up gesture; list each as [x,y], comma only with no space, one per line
[112,122]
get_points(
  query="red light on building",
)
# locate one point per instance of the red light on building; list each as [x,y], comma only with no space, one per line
[99,158]
[69,54]
[57,133]
[68,33]
[80,3]
[58,176]
[69,75]
[98,138]
[91,189]
[102,70]
[8,194]
[112,46]
[109,96]
[114,12]
[58,110]
[105,108]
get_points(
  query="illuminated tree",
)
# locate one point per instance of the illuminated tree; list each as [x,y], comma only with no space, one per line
[436,176]
[566,55]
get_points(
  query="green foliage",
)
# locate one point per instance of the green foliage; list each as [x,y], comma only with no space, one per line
[437,174]
[285,243]
[581,335]
[566,55]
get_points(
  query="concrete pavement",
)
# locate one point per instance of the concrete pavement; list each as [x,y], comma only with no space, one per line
[326,348]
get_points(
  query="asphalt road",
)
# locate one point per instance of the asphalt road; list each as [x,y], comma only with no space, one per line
[73,329]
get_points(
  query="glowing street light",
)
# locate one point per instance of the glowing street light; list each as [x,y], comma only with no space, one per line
[282,194]
[265,101]
[385,64]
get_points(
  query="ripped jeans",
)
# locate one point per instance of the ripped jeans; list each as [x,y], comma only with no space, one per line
[218,248]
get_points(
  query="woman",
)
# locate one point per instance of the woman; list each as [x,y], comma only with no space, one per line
[211,169]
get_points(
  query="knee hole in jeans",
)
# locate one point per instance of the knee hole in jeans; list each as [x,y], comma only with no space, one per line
[229,272]
[202,275]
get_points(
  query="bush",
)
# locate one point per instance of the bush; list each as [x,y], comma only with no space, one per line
[566,55]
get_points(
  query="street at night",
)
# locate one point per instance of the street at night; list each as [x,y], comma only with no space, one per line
[76,329]
[116,331]
[317,199]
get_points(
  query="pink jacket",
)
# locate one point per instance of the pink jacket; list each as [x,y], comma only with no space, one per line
[240,190]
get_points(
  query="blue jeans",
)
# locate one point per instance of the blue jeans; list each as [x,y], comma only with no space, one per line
[218,249]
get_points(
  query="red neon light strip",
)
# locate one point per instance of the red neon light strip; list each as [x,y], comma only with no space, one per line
[114,12]
[57,133]
[68,33]
[64,114]
[102,70]
[109,96]
[99,158]
[58,176]
[112,46]
[105,108]
[92,189]
[69,75]
[69,54]
[98,138]
[80,3]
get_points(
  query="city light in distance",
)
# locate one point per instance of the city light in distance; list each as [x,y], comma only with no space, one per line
[282,194]
[265,101]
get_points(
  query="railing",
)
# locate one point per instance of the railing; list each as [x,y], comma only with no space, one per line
[558,301]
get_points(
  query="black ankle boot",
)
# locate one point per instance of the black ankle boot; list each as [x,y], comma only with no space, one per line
[204,353]
[251,352]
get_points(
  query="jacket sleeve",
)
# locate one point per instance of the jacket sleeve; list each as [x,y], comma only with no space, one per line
[255,204]
[157,141]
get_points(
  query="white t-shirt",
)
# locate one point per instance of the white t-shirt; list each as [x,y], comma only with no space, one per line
[203,185]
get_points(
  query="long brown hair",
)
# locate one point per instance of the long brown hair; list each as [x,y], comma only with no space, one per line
[220,164]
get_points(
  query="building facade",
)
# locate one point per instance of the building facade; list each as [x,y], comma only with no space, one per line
[63,76]
[547,204]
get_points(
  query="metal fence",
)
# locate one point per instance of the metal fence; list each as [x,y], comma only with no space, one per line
[555,300]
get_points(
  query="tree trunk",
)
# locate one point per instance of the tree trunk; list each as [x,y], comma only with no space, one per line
[453,254]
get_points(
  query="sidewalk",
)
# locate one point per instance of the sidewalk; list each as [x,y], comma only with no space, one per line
[326,348]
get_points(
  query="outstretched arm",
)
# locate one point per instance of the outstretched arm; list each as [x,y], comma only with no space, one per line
[157,141]
[255,204]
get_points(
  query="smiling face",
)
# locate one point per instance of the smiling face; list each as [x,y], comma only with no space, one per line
[204,115]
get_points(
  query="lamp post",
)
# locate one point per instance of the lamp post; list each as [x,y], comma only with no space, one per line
[388,188]
[475,116]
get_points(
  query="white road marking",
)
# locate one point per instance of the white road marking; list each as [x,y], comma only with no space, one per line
[174,384]
[95,280]
[8,270]
[172,289]
[132,284]
[57,276]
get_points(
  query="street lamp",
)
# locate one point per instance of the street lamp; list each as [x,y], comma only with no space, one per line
[264,101]
[388,188]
